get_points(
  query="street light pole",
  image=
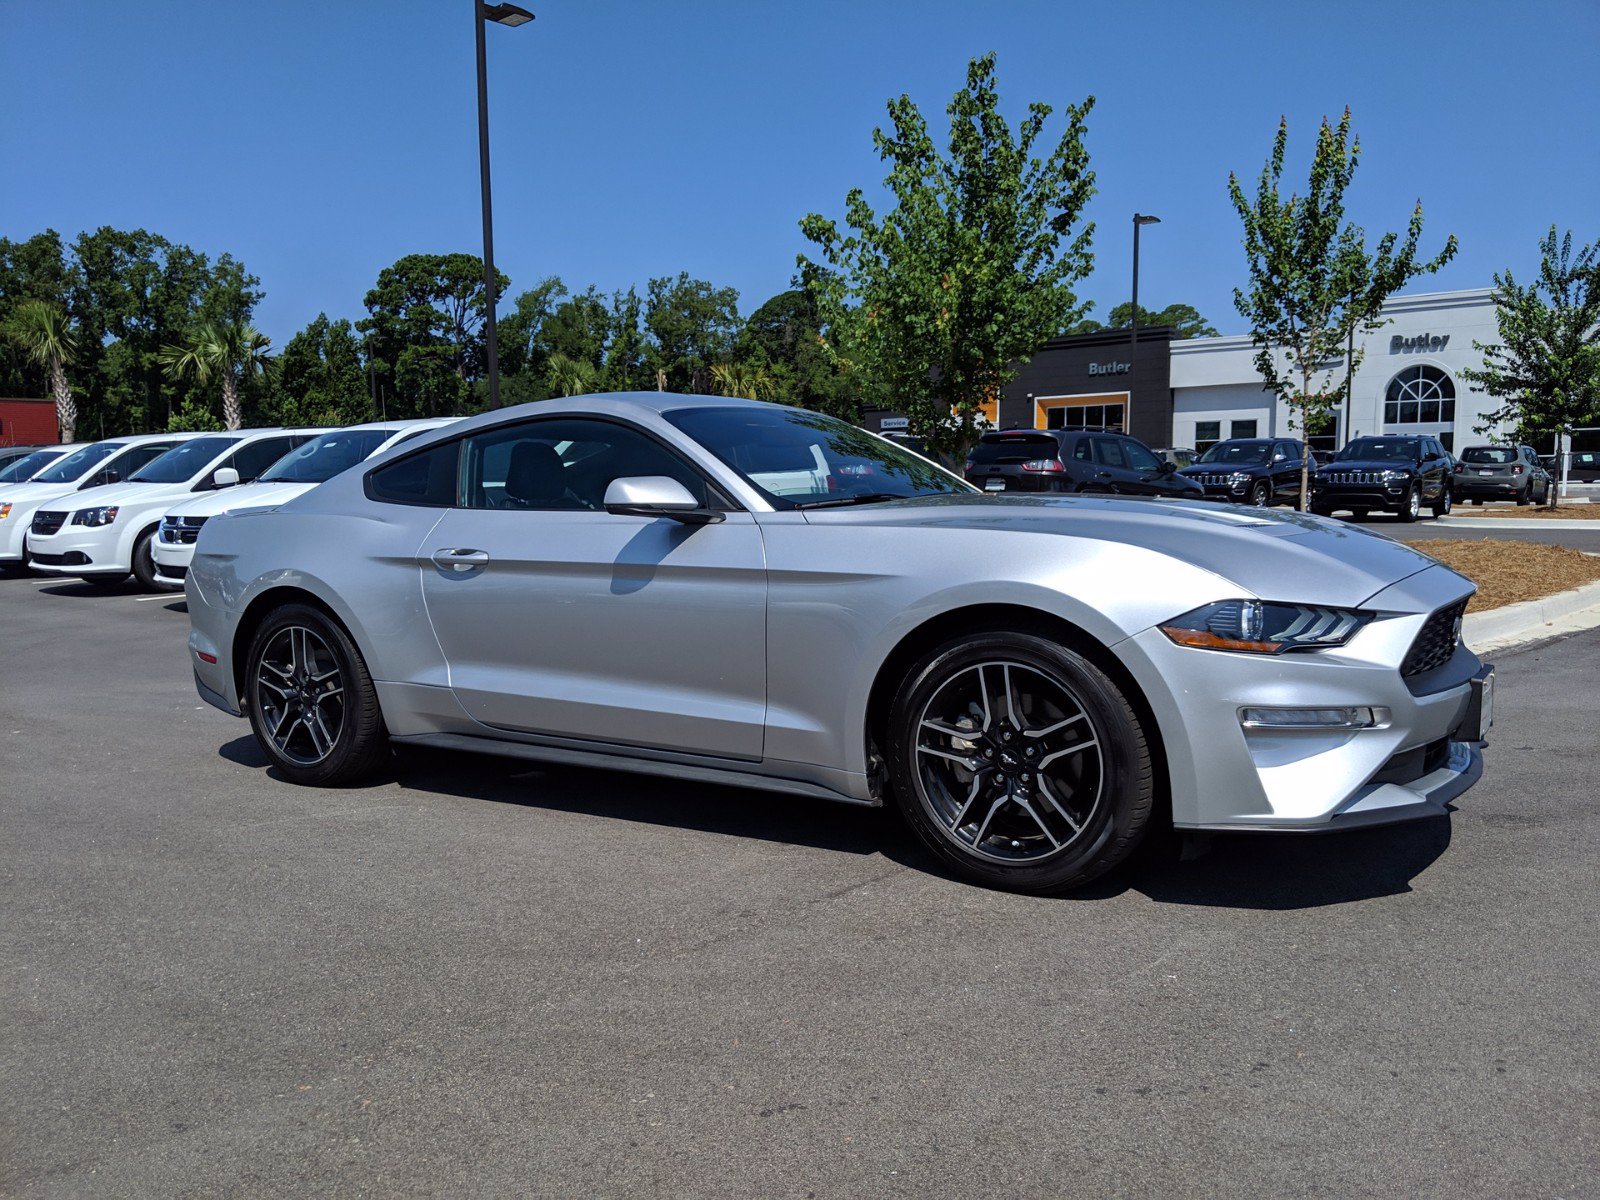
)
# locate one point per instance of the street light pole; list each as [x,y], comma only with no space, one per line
[510,15]
[1139,220]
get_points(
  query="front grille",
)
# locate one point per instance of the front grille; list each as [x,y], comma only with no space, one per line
[181,530]
[46,523]
[1214,480]
[48,560]
[1436,641]
[167,572]
[1366,477]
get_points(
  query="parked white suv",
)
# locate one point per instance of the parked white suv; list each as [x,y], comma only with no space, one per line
[85,467]
[295,474]
[105,532]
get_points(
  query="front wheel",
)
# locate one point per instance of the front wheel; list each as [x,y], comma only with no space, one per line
[1412,508]
[1019,763]
[144,562]
[311,702]
[1260,496]
[1442,508]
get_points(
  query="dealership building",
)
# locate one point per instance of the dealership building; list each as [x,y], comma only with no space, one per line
[1198,391]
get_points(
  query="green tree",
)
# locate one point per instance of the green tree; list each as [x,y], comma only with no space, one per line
[691,326]
[1311,278]
[426,331]
[34,269]
[571,376]
[1545,369]
[1184,319]
[930,307]
[628,349]
[784,337]
[521,332]
[46,338]
[319,378]
[222,351]
[750,381]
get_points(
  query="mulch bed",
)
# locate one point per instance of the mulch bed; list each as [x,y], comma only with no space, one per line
[1567,512]
[1507,572]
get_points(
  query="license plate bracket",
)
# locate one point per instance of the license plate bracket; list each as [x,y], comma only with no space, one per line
[1479,717]
[995,484]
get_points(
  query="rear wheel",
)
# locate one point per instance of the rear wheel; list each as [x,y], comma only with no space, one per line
[144,561]
[1019,763]
[311,701]
[1525,497]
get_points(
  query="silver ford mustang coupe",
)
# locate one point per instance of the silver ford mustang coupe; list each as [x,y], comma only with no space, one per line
[746,593]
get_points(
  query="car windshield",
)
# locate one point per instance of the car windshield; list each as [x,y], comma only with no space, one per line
[321,459]
[182,463]
[27,466]
[796,458]
[79,463]
[1496,455]
[1238,453]
[1380,450]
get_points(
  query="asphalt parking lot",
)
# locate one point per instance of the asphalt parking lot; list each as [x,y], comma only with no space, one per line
[477,978]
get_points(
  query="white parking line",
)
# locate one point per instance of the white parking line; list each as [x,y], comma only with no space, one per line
[147,599]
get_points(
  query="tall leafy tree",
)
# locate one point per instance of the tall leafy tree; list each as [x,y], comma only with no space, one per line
[426,330]
[931,306]
[750,381]
[223,351]
[571,376]
[46,338]
[692,325]
[319,378]
[628,348]
[784,337]
[1545,369]
[1311,277]
[521,332]
[33,269]
[1185,320]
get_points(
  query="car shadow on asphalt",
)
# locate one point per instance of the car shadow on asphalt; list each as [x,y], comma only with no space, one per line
[1249,871]
[92,591]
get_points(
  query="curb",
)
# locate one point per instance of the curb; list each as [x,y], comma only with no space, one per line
[1463,523]
[1533,620]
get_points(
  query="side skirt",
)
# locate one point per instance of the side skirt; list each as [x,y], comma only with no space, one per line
[568,756]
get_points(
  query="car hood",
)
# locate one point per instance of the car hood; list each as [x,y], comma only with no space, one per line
[1367,464]
[124,493]
[1271,555]
[248,495]
[1220,468]
[31,493]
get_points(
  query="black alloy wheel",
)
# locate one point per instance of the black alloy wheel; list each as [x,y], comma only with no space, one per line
[1019,763]
[310,700]
[1260,495]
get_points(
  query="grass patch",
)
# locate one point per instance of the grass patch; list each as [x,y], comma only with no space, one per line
[1507,572]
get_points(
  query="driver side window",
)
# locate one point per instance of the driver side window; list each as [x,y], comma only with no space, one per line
[566,464]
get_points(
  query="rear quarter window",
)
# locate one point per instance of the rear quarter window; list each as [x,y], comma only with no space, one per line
[427,477]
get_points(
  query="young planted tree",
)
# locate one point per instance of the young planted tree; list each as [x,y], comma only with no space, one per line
[44,336]
[930,306]
[1312,280]
[223,351]
[1545,370]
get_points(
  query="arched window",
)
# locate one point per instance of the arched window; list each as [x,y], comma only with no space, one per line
[1420,395]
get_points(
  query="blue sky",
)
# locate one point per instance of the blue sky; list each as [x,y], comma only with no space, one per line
[319,141]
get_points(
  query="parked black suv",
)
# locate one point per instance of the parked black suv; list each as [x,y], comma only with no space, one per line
[1258,471]
[1392,474]
[1073,460]
[1501,473]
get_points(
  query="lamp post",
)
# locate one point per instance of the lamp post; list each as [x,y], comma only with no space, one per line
[1139,220]
[512,16]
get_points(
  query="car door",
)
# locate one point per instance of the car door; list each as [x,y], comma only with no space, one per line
[1286,470]
[1147,477]
[1112,471]
[557,618]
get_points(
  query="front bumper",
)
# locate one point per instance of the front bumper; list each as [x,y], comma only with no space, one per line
[76,550]
[1392,496]
[173,560]
[1409,765]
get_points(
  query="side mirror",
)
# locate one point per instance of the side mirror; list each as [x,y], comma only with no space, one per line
[110,475]
[656,496]
[1168,467]
[224,477]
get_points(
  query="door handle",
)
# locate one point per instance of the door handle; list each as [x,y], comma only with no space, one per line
[1103,475]
[460,559]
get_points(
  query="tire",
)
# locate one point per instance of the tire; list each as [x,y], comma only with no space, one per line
[301,661]
[1525,497]
[1476,503]
[1412,508]
[144,562]
[1358,514]
[1446,502]
[993,817]
[1260,496]
[1318,511]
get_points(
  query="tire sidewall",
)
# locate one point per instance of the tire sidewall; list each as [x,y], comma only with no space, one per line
[143,560]
[348,758]
[1260,496]
[1124,814]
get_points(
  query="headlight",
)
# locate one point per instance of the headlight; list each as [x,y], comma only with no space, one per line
[1238,477]
[1260,627]
[95,516]
[1395,476]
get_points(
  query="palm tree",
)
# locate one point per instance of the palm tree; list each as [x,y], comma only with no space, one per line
[743,379]
[230,352]
[571,376]
[46,338]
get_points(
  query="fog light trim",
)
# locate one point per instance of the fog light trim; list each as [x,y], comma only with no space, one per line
[1332,717]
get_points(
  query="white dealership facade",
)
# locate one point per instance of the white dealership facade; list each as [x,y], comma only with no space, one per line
[1408,380]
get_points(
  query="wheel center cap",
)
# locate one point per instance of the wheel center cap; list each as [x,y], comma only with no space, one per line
[1009,761]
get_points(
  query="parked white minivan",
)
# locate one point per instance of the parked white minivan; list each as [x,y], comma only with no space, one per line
[106,532]
[295,474]
[89,466]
